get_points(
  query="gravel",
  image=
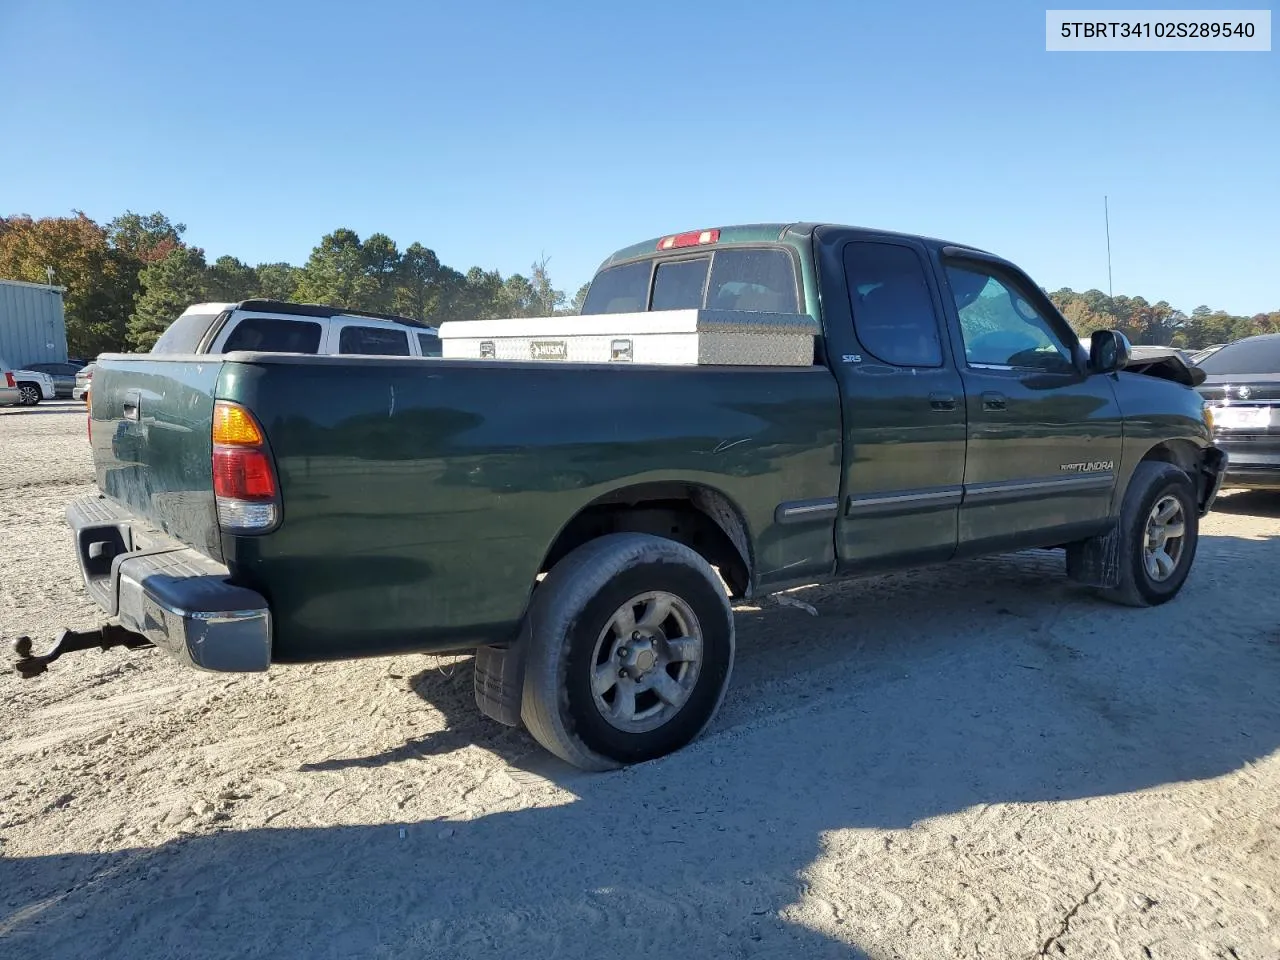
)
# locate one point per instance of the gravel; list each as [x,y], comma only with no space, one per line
[979,760]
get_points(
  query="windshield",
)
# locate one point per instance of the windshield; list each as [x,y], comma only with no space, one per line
[754,279]
[1254,355]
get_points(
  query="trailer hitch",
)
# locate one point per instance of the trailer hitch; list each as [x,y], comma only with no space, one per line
[27,664]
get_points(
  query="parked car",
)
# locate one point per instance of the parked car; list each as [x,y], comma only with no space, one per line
[578,524]
[9,392]
[1242,391]
[83,376]
[62,374]
[34,386]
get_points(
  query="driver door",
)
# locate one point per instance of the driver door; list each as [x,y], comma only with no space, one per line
[1044,435]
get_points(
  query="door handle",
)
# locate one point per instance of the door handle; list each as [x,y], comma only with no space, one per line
[129,407]
[942,401]
[993,401]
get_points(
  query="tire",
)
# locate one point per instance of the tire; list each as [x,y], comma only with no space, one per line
[29,393]
[575,636]
[1154,484]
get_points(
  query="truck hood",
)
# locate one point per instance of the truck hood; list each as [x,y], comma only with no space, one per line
[1166,363]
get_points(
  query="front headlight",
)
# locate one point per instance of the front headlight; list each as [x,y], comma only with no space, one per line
[1207,414]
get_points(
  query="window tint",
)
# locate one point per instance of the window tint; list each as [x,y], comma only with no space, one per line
[763,280]
[622,289]
[1254,355]
[893,312]
[429,344]
[272,335]
[377,341]
[184,334]
[679,285]
[1000,327]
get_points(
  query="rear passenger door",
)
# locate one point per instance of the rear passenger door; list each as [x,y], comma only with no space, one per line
[903,410]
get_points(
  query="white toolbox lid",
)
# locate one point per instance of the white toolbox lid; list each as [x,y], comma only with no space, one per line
[743,322]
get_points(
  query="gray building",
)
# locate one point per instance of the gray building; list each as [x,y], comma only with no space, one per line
[33,328]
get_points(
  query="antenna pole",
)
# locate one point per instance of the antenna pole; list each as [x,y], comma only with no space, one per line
[1106,212]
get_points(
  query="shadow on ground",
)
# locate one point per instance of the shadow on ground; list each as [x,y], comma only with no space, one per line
[1049,695]
[1253,503]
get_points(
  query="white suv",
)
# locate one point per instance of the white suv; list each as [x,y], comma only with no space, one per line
[271,326]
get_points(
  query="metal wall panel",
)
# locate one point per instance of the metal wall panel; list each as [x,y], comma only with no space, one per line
[33,328]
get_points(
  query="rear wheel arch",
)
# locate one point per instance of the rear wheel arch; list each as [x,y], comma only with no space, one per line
[700,517]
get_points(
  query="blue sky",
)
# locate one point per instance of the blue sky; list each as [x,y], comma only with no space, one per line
[496,132]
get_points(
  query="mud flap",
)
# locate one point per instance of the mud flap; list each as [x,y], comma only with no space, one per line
[499,682]
[1096,562]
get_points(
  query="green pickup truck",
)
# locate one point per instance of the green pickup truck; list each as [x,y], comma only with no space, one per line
[583,526]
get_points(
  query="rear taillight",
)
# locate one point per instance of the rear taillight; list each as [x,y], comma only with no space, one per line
[8,379]
[244,479]
[694,238]
[88,416]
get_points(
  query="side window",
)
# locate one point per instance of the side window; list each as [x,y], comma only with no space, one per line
[1001,327]
[429,344]
[272,335]
[375,341]
[678,284]
[893,313]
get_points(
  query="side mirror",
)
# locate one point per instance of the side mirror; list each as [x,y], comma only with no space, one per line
[1109,351]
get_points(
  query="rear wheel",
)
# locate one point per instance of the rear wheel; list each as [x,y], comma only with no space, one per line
[631,644]
[29,394]
[1159,530]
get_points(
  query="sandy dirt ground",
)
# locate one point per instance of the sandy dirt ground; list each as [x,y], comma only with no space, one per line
[976,761]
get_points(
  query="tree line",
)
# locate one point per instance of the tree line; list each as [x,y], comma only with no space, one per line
[128,279]
[1158,323]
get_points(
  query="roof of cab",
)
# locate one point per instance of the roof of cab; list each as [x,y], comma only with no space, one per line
[777,232]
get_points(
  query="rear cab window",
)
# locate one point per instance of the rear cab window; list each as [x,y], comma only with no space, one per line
[760,279]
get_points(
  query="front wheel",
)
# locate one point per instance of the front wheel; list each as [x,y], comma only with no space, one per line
[28,394]
[630,647]
[1158,533]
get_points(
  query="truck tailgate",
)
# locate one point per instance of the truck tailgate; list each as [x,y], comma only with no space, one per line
[150,427]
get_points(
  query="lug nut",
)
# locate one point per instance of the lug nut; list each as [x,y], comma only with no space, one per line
[623,651]
[636,635]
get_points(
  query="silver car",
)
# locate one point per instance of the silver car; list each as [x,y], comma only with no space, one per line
[9,392]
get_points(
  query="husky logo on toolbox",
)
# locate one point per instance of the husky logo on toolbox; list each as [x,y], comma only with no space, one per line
[1089,466]
[548,350]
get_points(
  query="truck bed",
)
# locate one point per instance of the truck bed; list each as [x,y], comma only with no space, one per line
[420,496]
